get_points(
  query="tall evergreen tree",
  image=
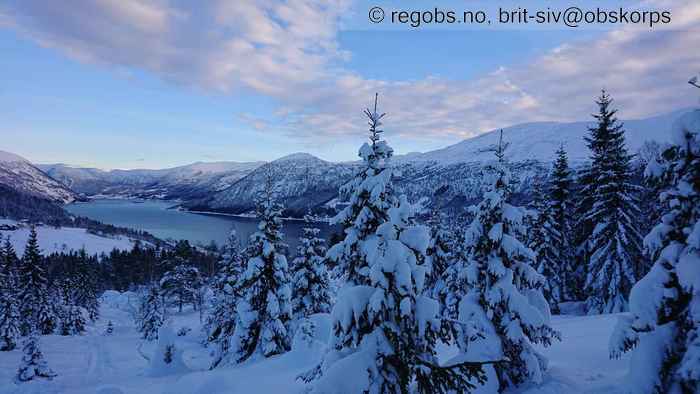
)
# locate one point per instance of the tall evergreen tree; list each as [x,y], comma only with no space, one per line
[562,206]
[37,308]
[221,322]
[503,308]
[369,197]
[263,310]
[615,261]
[664,324]
[310,280]
[9,305]
[545,242]
[384,328]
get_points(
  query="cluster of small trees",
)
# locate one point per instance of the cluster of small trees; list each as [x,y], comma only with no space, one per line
[585,226]
[180,286]
[258,297]
[32,304]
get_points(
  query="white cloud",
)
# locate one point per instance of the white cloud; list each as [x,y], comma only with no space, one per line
[288,50]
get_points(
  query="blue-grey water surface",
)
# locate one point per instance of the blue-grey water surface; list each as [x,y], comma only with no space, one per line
[157,218]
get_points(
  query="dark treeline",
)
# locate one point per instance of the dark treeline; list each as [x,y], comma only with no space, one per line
[124,270]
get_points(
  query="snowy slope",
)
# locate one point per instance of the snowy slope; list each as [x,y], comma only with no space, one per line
[539,141]
[66,238]
[302,181]
[189,181]
[93,363]
[19,174]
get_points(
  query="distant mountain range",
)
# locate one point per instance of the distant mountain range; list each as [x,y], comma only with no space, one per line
[451,174]
[192,181]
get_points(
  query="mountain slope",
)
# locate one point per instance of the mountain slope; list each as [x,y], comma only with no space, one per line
[302,181]
[19,174]
[185,182]
[539,141]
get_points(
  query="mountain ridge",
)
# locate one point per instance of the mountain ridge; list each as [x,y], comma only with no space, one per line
[20,174]
[306,181]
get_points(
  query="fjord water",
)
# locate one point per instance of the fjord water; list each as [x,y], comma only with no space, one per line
[160,219]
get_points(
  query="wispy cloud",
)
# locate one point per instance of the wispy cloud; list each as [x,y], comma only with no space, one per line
[288,50]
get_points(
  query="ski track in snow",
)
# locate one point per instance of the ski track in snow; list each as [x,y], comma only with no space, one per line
[98,364]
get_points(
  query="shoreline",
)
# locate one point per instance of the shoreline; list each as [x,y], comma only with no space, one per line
[177,206]
[249,216]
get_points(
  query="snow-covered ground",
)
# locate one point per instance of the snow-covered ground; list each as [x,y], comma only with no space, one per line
[95,364]
[65,238]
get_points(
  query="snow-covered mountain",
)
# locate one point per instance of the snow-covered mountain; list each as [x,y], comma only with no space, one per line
[538,141]
[19,174]
[302,181]
[185,182]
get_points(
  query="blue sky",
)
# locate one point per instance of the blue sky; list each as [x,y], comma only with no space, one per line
[155,84]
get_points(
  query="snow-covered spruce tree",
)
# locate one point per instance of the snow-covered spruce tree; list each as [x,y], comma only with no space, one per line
[263,309]
[545,241]
[182,284]
[615,261]
[384,329]
[33,365]
[561,208]
[72,320]
[221,321]
[369,195]
[504,309]
[37,308]
[664,324]
[310,280]
[9,305]
[150,315]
